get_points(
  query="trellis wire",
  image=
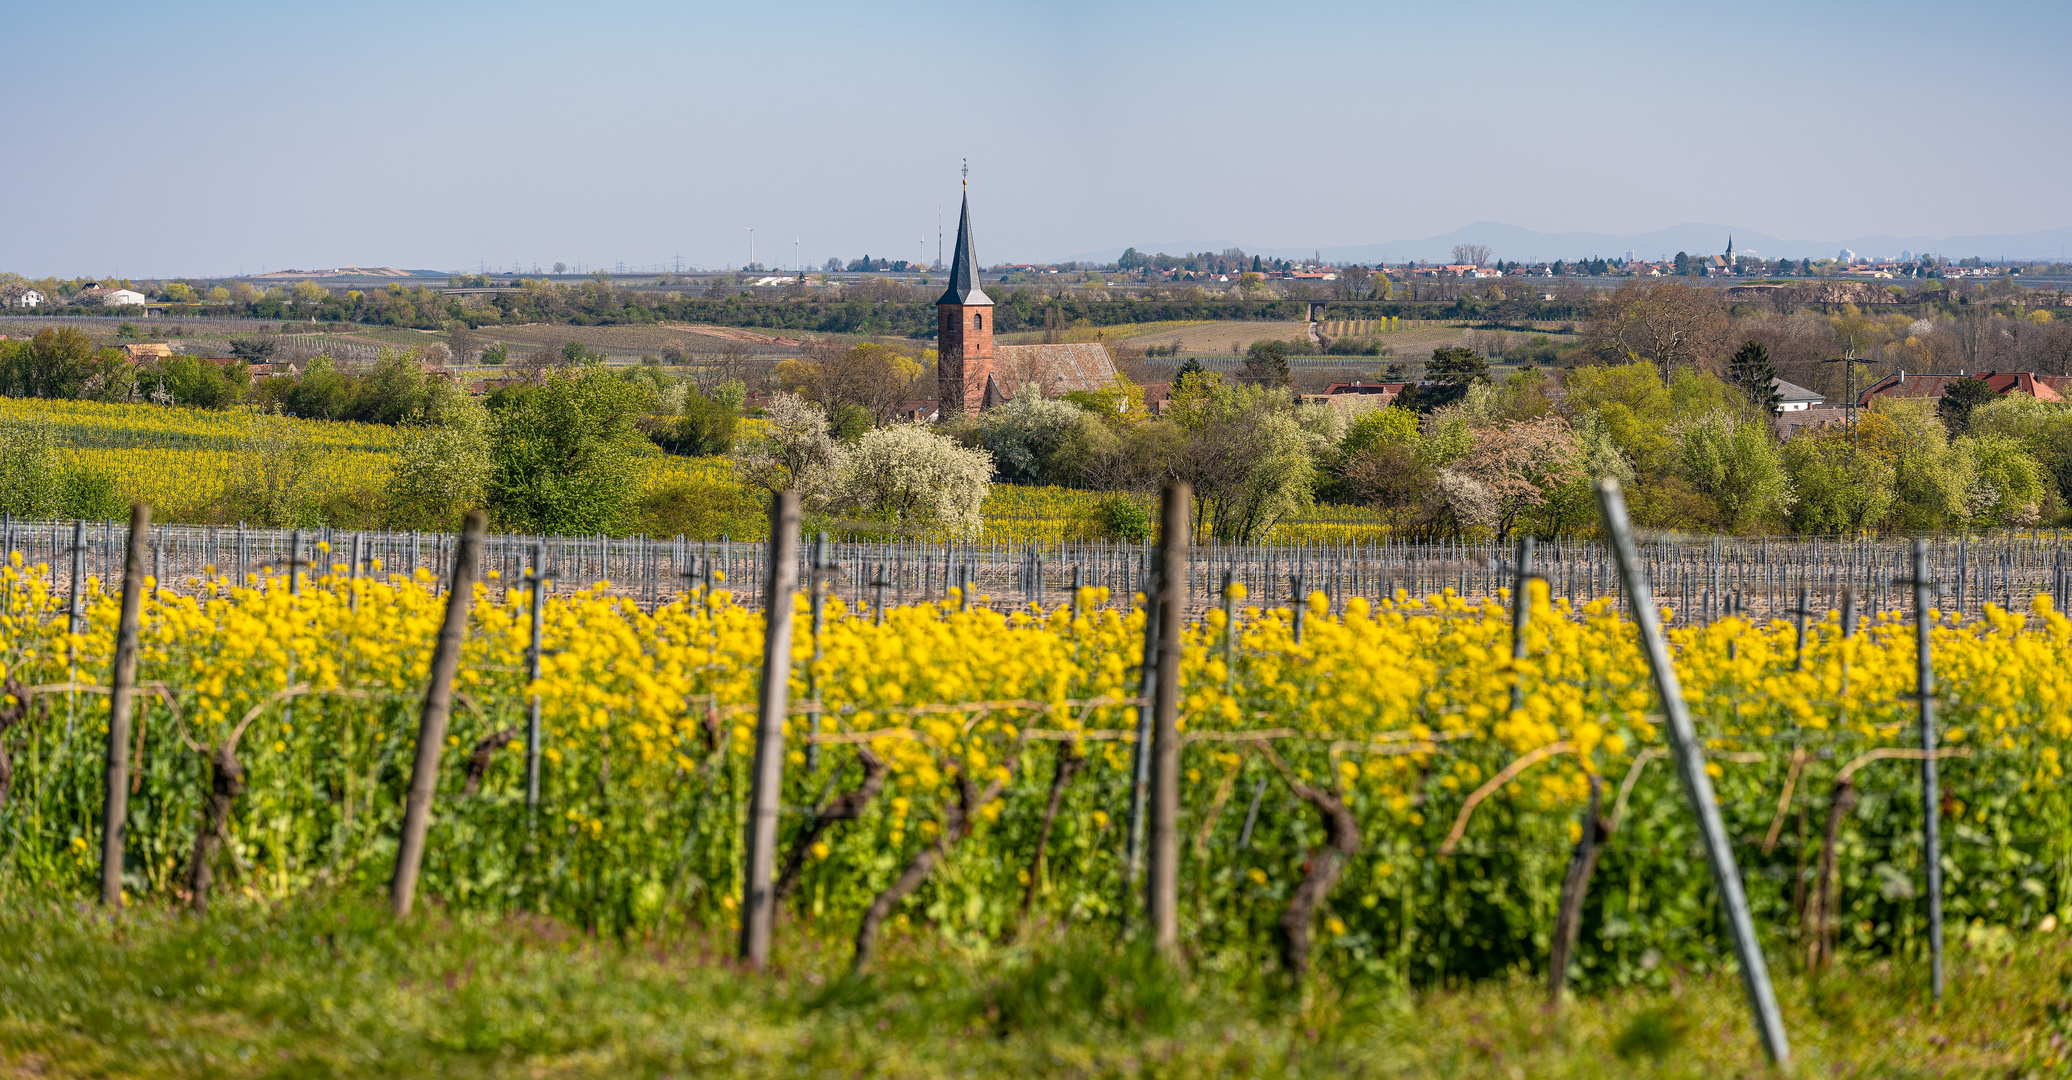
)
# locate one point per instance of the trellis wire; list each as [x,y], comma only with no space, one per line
[1700,580]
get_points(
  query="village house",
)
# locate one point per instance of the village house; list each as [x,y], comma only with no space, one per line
[2052,388]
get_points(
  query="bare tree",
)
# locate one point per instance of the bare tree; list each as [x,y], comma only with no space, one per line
[876,378]
[1668,323]
[1471,254]
[463,342]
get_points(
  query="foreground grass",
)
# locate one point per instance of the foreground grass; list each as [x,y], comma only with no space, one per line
[334,989]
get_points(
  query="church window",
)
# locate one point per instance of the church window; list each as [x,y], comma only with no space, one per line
[978,322]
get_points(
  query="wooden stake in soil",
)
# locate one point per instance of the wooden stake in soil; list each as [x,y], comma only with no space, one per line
[766,776]
[431,727]
[122,691]
[536,603]
[1689,754]
[1165,737]
[1568,920]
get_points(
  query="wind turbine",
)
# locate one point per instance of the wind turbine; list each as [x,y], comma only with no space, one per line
[751,246]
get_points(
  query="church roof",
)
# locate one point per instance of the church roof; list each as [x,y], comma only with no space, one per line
[964,287]
[1053,369]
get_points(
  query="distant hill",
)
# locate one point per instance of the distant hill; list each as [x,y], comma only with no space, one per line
[347,272]
[1511,242]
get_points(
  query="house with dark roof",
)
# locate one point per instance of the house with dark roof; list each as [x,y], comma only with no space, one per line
[971,372]
[1791,397]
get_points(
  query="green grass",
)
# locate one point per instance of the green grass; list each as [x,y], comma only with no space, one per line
[334,989]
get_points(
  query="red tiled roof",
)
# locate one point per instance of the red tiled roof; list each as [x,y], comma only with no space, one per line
[2040,387]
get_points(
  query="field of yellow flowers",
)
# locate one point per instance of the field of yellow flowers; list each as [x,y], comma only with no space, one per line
[1401,709]
[179,460]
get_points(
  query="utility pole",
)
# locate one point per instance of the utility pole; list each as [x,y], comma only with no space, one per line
[1849,361]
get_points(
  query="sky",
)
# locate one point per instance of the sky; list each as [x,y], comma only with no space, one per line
[158,140]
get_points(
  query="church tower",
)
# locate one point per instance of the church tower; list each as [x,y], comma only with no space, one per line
[964,330]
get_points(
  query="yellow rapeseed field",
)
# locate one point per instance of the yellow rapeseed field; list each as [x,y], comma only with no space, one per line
[995,735]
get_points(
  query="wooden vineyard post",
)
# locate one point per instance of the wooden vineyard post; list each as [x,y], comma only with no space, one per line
[1689,754]
[121,693]
[766,775]
[431,727]
[1521,617]
[816,593]
[1229,598]
[537,604]
[1140,756]
[1165,738]
[74,608]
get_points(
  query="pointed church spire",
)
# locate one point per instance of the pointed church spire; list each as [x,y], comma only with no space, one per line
[964,282]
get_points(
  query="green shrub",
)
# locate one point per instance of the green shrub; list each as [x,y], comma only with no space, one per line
[1123,518]
[701,511]
[706,426]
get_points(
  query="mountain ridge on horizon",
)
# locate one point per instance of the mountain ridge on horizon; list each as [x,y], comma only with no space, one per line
[1514,243]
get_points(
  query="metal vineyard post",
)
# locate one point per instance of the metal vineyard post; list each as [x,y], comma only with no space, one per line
[1689,754]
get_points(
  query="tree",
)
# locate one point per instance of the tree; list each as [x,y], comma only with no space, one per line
[1958,400]
[201,384]
[561,268]
[62,363]
[1471,254]
[253,350]
[1930,478]
[1734,464]
[1458,366]
[911,477]
[2007,485]
[1189,366]
[35,481]
[796,453]
[441,471]
[1025,436]
[1248,456]
[564,454]
[705,425]
[2043,430]
[1751,372]
[273,474]
[1266,363]
[1520,463]
[1668,323]
[874,378]
[1837,492]
[463,343]
[1377,427]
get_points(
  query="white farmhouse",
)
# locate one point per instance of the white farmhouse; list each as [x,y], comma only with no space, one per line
[28,298]
[123,298]
[1792,397]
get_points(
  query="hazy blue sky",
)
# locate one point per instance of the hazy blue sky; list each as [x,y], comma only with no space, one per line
[162,139]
